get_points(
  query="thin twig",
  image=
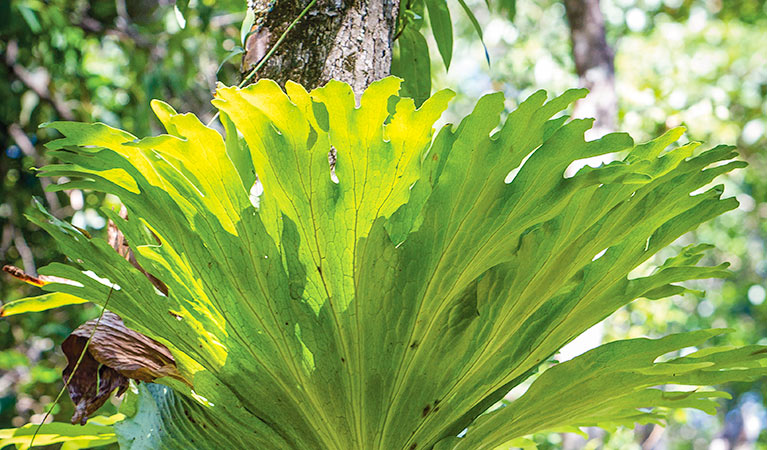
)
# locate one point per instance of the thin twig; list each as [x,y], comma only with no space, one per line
[22,140]
[28,148]
[271,51]
[277,44]
[39,85]
[27,257]
[6,238]
[77,365]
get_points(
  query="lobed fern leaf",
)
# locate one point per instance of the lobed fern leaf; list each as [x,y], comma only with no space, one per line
[391,306]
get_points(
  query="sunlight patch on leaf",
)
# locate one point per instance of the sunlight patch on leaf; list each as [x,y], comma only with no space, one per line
[391,307]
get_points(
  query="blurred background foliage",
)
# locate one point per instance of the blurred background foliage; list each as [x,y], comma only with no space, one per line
[697,63]
[87,61]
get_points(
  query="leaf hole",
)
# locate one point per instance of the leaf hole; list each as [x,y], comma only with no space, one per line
[255,193]
[513,174]
[599,255]
[594,162]
[332,159]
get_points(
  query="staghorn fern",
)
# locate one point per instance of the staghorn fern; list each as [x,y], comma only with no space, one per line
[391,306]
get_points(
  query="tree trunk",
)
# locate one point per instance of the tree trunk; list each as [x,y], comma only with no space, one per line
[594,64]
[346,40]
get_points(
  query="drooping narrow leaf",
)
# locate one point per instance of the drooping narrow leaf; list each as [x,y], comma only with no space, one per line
[247,25]
[477,27]
[442,28]
[509,7]
[235,51]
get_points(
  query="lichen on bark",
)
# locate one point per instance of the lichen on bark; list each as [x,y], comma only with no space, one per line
[350,41]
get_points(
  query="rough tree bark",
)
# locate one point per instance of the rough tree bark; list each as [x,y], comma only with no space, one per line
[594,64]
[346,40]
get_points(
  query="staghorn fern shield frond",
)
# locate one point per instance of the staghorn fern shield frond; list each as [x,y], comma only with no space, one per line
[390,302]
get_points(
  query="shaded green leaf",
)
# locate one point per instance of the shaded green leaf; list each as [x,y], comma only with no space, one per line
[477,27]
[411,14]
[508,7]
[442,28]
[411,63]
[30,17]
[235,51]
[614,385]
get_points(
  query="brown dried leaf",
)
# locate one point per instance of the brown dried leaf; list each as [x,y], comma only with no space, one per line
[93,383]
[117,240]
[39,280]
[114,355]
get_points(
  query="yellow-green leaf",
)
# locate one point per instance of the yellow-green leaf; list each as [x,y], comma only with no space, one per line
[40,303]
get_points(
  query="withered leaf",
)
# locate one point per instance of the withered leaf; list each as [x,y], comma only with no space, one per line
[114,355]
[117,241]
[39,280]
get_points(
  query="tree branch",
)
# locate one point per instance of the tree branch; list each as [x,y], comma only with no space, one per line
[28,148]
[38,82]
[25,252]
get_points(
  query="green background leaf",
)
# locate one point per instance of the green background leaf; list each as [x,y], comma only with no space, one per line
[442,28]
[411,63]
